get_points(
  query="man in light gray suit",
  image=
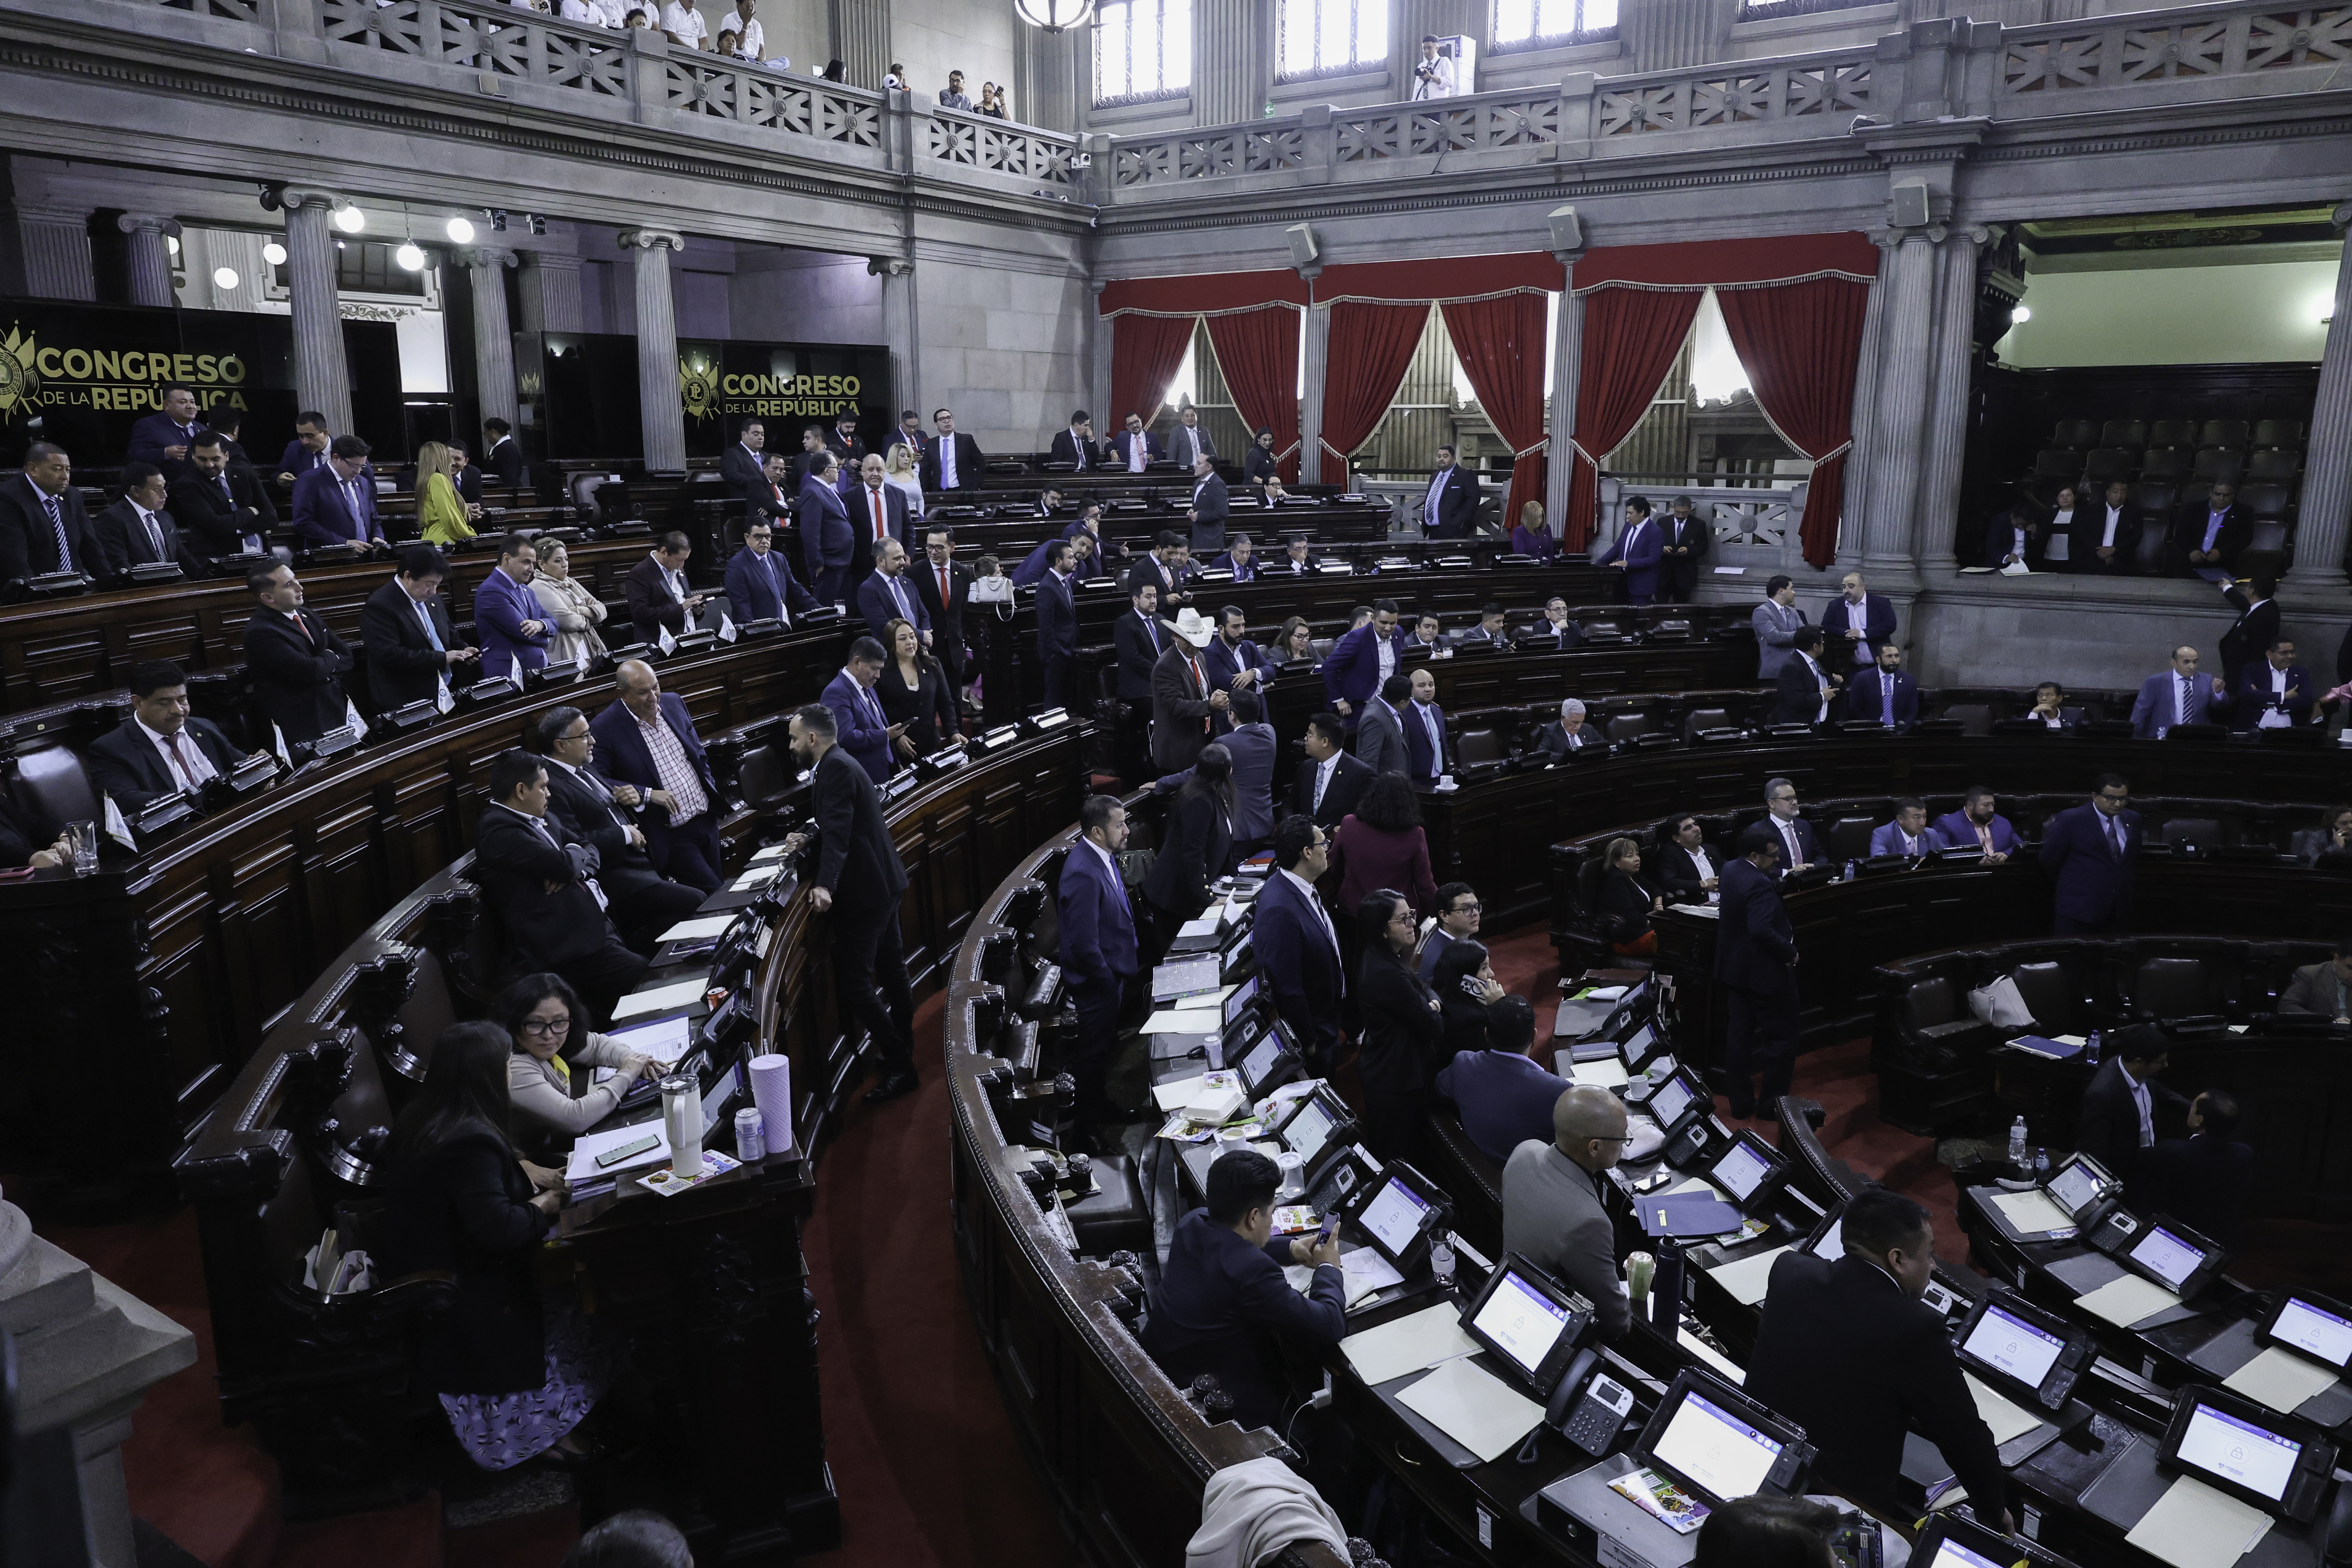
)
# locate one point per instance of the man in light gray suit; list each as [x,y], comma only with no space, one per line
[1776,621]
[1380,733]
[1552,1213]
[1187,442]
[2178,696]
[1252,742]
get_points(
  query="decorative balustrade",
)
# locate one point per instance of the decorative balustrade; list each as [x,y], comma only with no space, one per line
[1738,94]
[977,142]
[2170,46]
[1753,526]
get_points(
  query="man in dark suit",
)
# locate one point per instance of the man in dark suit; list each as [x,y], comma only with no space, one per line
[2201,1180]
[465,474]
[1240,559]
[43,527]
[1224,1307]
[2210,535]
[159,750]
[1298,558]
[1807,688]
[308,450]
[1134,448]
[805,463]
[2016,535]
[885,596]
[760,582]
[952,461]
[767,499]
[1690,870]
[1138,639]
[1361,660]
[2089,851]
[1188,441]
[1756,961]
[2179,695]
[2119,1105]
[294,664]
[221,505]
[163,439]
[843,443]
[1883,694]
[2106,534]
[1211,509]
[1234,661]
[1688,539]
[648,739]
[858,877]
[741,465]
[412,647]
[1425,743]
[1450,508]
[1846,1350]
[542,883]
[2322,989]
[603,815]
[946,589]
[137,531]
[1556,633]
[2256,628]
[1568,733]
[1639,550]
[1077,444]
[1057,628]
[515,630]
[1907,834]
[862,732]
[828,539]
[1098,953]
[1799,849]
[877,511]
[334,503]
[1978,825]
[1297,946]
[656,587]
[1378,740]
[1185,704]
[1329,781]
[1250,745]
[501,456]
[1857,624]
[2274,692]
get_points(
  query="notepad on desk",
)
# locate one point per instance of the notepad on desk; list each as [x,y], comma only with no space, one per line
[1749,1279]
[1474,1407]
[2193,1525]
[664,1039]
[701,929]
[758,876]
[772,852]
[2056,1050]
[2033,1212]
[2280,1379]
[1608,1072]
[1205,1017]
[660,999]
[2007,1420]
[1422,1339]
[2125,1301]
[583,1166]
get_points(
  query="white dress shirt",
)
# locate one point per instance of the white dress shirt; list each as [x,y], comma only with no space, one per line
[2054,544]
[189,764]
[686,26]
[1138,455]
[2275,717]
[1078,445]
[1706,869]
[1438,83]
[2147,1111]
[1384,652]
[1820,680]
[1787,826]
[750,38]
[2107,535]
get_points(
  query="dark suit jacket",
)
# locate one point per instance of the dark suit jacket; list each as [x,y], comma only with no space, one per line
[827,542]
[741,469]
[1865,697]
[969,461]
[1545,638]
[1179,719]
[1098,927]
[219,523]
[1756,947]
[2254,697]
[621,755]
[2078,856]
[1351,673]
[28,546]
[588,814]
[513,865]
[752,590]
[298,680]
[402,666]
[1211,510]
[1402,1031]
[1121,443]
[463,1206]
[947,614]
[1840,652]
[1065,449]
[1457,505]
[1842,1352]
[1222,1308]
[1681,571]
[505,460]
[1808,846]
[124,764]
[320,515]
[2201,1180]
[1348,780]
[860,515]
[1801,692]
[2188,533]
[1058,619]
[125,543]
[1308,983]
[2001,537]
[1556,742]
[855,858]
[862,737]
[1953,830]
[2256,628]
[1380,739]
[2315,989]
[1422,760]
[2090,525]
[1678,874]
[650,605]
[155,432]
[1140,648]
[874,603]
[2108,1128]
[1199,849]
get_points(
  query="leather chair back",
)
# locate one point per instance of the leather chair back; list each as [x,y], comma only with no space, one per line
[2191,832]
[765,775]
[1699,719]
[1975,717]
[2173,433]
[2049,994]
[52,784]
[1848,839]
[1479,745]
[1626,726]
[2170,987]
[1929,1002]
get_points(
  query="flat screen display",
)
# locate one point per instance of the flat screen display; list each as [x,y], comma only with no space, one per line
[1261,1058]
[715,1100]
[2167,1257]
[1832,1245]
[1740,1172]
[1394,1216]
[1714,1449]
[1240,1000]
[2321,1335]
[1640,1040]
[1952,1554]
[2239,1451]
[1673,1097]
[1307,1130]
[1523,1320]
[2074,1186]
[2012,1345]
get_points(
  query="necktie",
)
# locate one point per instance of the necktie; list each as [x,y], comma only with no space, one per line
[179,758]
[874,707]
[351,503]
[2181,705]
[1322,779]
[768,565]
[879,524]
[57,524]
[154,533]
[224,489]
[943,588]
[898,598]
[1151,631]
[425,613]
[1886,700]
[1200,688]
[305,628]
[2115,835]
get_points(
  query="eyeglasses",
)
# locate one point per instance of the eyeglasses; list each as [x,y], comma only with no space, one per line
[1467,908]
[581,736]
[545,1025]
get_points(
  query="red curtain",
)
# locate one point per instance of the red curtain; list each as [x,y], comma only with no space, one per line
[1370,348]
[1144,352]
[1800,344]
[1500,342]
[1257,351]
[1631,338]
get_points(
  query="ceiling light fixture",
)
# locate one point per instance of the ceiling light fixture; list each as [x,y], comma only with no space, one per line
[1053,15]
[2019,315]
[273,253]
[460,232]
[351,220]
[410,258]
[225,277]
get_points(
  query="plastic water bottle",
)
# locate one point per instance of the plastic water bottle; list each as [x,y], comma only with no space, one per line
[1850,870]
[2017,1143]
[2042,1165]
[1441,1261]
[2091,1048]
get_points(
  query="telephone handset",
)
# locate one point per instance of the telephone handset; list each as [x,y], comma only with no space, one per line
[1589,1415]
[1557,1413]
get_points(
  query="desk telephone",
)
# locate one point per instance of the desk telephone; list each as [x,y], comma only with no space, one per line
[1587,1408]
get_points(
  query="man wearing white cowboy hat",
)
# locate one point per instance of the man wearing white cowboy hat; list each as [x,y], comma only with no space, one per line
[1185,701]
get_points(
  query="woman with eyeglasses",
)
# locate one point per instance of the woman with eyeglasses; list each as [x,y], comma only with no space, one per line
[1402,1024]
[538,1013]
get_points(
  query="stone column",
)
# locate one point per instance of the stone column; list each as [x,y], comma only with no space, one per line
[322,376]
[1315,361]
[150,256]
[860,33]
[900,331]
[1567,377]
[1946,435]
[1045,78]
[45,254]
[1905,332]
[1232,63]
[1863,460]
[2328,454]
[494,365]
[1100,331]
[550,293]
[659,412]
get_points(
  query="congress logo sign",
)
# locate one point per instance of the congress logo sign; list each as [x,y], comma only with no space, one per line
[19,375]
[698,386]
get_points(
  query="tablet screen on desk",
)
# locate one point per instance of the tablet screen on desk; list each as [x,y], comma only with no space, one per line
[2075,1187]
[2319,1334]
[1740,1171]
[1952,1554]
[1715,1450]
[1238,1003]
[1832,1245]
[1673,1097]
[2009,1343]
[1306,1130]
[1394,1216]
[1259,1062]
[2165,1256]
[2239,1452]
[1521,1321]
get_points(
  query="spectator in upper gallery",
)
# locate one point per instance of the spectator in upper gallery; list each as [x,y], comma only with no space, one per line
[658,596]
[294,663]
[895,78]
[684,26]
[2019,534]
[2050,707]
[2274,692]
[760,580]
[829,540]
[1806,688]
[1688,537]
[1134,448]
[1556,633]
[2334,837]
[334,504]
[2106,536]
[1077,444]
[955,97]
[1363,659]
[1617,894]
[1534,535]
[992,102]
[137,531]
[1433,74]
[308,450]
[2057,539]
[750,35]
[645,738]
[835,70]
[886,595]
[222,507]
[2178,696]
[2212,535]
[1907,834]
[1428,634]
[500,454]
[1238,559]
[1295,644]
[1450,509]
[740,465]
[159,750]
[515,631]
[1567,733]
[161,438]
[1885,693]
[1297,558]
[1687,869]
[1188,441]
[951,460]
[1979,824]
[1776,622]
[1639,550]
[1858,624]
[1258,463]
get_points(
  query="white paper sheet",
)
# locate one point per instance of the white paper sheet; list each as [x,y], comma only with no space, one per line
[700,929]
[1366,1272]
[583,1166]
[2007,1419]
[2280,1379]
[665,1040]
[1429,1336]
[772,852]
[660,998]
[2032,1211]
[1706,1353]
[2193,1525]
[1474,1408]
[757,877]
[1176,1095]
[1206,925]
[2126,1301]
[1748,1278]
[1183,1021]
[1609,1072]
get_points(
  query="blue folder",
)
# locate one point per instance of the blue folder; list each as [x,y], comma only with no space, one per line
[1687,1214]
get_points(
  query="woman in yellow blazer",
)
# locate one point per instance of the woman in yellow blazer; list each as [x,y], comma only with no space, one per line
[441,516]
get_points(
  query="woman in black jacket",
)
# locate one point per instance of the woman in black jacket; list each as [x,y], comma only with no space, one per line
[1200,842]
[1465,986]
[1615,894]
[1259,460]
[1402,1024]
[913,691]
[514,1367]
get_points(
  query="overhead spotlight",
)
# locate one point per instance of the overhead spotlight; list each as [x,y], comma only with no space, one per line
[536,221]
[497,220]
[2020,314]
[351,220]
[460,231]
[411,259]
[225,277]
[172,244]
[273,253]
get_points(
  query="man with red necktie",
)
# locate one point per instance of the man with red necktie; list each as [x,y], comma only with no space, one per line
[1185,705]
[946,588]
[877,511]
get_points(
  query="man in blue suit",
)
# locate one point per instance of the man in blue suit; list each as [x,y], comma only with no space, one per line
[163,438]
[1099,956]
[1756,962]
[1978,824]
[1297,946]
[1134,448]
[308,450]
[1361,660]
[1639,550]
[1857,624]
[2089,852]
[513,628]
[334,503]
[1424,729]
[1907,836]
[1240,559]
[885,596]
[827,541]
[2178,696]
[1884,694]
[866,732]
[2274,692]
[760,582]
[1233,660]
[1797,848]
[648,739]
[1450,509]
[1058,627]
